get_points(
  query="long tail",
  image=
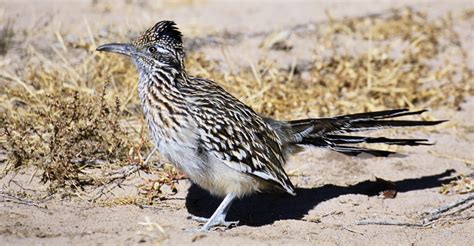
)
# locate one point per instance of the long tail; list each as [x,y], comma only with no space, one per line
[327,132]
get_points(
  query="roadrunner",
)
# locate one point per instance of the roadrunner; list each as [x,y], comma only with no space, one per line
[221,144]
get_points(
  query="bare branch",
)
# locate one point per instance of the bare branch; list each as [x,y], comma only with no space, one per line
[390,223]
[430,218]
[4,197]
[438,213]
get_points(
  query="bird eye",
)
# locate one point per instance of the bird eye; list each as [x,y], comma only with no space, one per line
[152,49]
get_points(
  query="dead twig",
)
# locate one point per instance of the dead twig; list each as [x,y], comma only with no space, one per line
[123,172]
[352,230]
[430,217]
[106,188]
[4,197]
[390,223]
[114,180]
[438,213]
[150,155]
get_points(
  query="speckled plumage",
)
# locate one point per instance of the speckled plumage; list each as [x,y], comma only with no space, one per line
[220,143]
[196,118]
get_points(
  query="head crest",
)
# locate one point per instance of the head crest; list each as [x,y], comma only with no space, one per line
[164,33]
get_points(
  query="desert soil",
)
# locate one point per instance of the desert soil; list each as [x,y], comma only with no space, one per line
[334,191]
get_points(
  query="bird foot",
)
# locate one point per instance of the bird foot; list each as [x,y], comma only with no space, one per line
[218,222]
[201,220]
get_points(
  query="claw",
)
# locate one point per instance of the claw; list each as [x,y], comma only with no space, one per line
[219,223]
[230,224]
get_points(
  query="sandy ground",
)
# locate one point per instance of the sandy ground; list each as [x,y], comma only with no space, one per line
[334,191]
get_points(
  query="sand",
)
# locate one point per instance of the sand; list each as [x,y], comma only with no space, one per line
[334,191]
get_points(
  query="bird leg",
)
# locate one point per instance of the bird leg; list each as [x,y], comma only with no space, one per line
[218,217]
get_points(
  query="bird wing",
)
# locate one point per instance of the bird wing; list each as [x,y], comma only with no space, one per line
[235,134]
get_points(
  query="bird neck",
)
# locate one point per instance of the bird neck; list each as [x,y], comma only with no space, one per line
[160,91]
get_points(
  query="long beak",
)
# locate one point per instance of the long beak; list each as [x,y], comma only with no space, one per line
[120,48]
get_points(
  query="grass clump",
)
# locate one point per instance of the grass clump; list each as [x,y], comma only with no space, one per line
[66,134]
[63,120]
[6,36]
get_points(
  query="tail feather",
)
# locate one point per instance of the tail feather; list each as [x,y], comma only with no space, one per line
[380,124]
[393,113]
[354,151]
[341,139]
[326,132]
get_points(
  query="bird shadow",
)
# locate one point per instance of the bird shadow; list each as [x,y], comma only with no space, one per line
[263,209]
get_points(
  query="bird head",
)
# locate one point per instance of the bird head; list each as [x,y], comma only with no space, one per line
[158,47]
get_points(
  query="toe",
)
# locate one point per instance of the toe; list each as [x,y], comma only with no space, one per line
[230,224]
[198,219]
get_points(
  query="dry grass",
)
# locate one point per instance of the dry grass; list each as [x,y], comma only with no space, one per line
[6,36]
[59,117]
[66,120]
[407,61]
[462,185]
